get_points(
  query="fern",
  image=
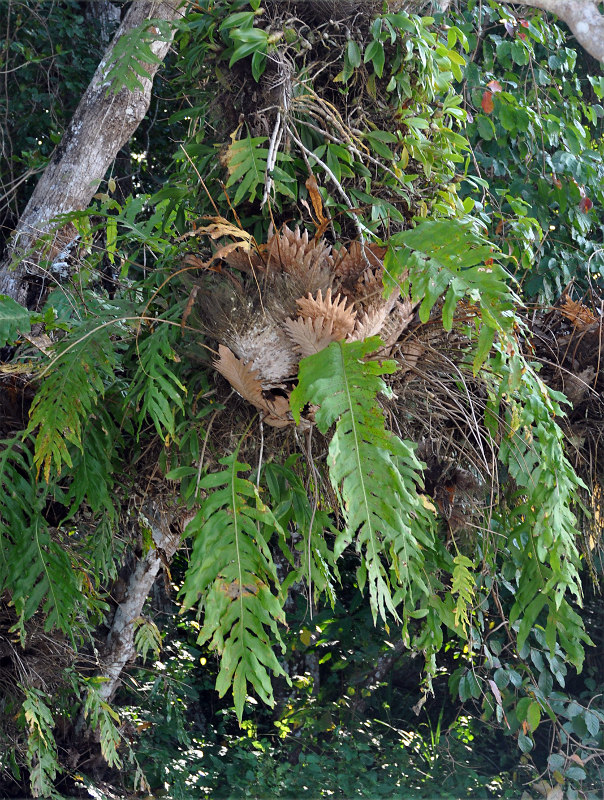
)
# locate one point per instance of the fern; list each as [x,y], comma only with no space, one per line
[447,257]
[147,638]
[462,586]
[375,473]
[156,390]
[41,753]
[103,718]
[74,381]
[293,508]
[34,566]
[13,319]
[232,571]
[246,161]
[539,525]
[131,51]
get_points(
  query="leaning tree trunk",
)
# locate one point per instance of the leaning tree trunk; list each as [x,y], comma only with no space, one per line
[103,122]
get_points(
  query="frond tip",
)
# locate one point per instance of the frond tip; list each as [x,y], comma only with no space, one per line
[375,474]
[233,575]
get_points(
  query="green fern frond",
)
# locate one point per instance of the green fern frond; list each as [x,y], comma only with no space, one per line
[232,571]
[156,390]
[447,257]
[131,51]
[147,638]
[294,510]
[102,717]
[246,161]
[462,587]
[36,568]
[13,320]
[41,753]
[75,380]
[539,524]
[375,474]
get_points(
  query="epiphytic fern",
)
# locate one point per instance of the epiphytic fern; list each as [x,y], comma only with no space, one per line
[447,257]
[73,383]
[13,320]
[233,575]
[37,568]
[376,474]
[156,389]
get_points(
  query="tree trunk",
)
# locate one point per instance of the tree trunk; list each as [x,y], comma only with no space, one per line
[119,648]
[101,125]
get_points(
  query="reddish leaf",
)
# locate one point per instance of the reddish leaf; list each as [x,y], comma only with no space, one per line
[585,205]
[521,35]
[494,86]
[523,22]
[487,102]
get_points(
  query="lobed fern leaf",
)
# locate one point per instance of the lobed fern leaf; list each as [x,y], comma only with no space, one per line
[14,319]
[156,390]
[447,257]
[232,571]
[42,757]
[75,380]
[462,586]
[375,474]
[247,161]
[131,51]
[34,567]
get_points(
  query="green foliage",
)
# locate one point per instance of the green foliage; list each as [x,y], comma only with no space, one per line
[462,586]
[379,125]
[309,523]
[232,571]
[147,638]
[71,388]
[540,526]
[38,567]
[13,319]
[156,391]
[103,718]
[447,257]
[537,134]
[41,748]
[132,51]
[374,473]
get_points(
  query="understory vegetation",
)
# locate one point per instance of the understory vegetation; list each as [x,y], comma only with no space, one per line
[333,323]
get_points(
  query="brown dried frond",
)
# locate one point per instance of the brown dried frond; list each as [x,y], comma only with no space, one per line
[397,321]
[370,323]
[266,348]
[334,311]
[243,378]
[308,261]
[353,261]
[310,335]
[578,313]
[247,262]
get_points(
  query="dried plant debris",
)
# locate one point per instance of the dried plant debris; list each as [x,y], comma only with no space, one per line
[290,298]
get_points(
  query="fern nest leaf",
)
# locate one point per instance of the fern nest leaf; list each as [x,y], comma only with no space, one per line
[266,347]
[310,335]
[334,310]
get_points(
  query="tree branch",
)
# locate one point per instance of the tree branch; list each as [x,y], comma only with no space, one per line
[101,125]
[582,17]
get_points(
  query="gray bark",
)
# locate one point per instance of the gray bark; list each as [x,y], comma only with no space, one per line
[582,17]
[119,648]
[101,125]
